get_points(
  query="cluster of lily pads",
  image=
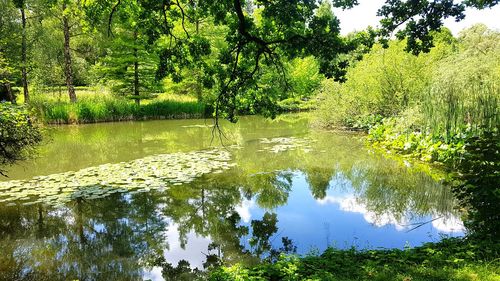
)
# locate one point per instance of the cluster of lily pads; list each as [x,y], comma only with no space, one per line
[155,172]
[277,145]
[198,126]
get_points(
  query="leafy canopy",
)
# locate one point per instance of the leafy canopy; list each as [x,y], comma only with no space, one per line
[415,19]
[264,33]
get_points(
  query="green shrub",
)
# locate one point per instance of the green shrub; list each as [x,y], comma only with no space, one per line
[171,109]
[450,259]
[385,83]
[18,133]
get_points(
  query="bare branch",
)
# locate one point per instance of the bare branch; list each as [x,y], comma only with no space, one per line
[183,18]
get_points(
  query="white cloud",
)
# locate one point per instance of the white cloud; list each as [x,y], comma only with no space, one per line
[351,204]
[359,17]
[155,274]
[193,251]
[243,209]
[448,224]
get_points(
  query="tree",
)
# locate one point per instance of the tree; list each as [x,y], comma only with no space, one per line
[9,31]
[65,19]
[285,30]
[20,29]
[130,61]
[419,18]
[265,33]
[465,91]
[21,5]
[6,73]
[68,70]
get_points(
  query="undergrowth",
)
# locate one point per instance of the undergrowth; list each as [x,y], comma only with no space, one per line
[450,259]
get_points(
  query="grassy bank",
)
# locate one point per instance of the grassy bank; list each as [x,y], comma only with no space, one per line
[96,104]
[450,259]
[93,107]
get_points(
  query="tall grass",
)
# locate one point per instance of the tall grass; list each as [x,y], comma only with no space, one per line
[452,108]
[91,108]
[465,92]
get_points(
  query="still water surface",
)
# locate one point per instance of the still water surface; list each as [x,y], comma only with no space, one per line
[111,201]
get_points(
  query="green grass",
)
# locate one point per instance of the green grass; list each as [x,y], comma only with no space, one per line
[93,106]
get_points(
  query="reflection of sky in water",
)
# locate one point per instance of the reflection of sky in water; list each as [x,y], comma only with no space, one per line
[192,252]
[339,218]
[341,221]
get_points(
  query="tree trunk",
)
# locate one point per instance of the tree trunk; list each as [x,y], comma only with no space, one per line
[10,95]
[136,70]
[68,69]
[199,86]
[80,222]
[40,221]
[24,62]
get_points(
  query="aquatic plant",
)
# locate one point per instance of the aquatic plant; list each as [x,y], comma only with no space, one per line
[277,145]
[156,172]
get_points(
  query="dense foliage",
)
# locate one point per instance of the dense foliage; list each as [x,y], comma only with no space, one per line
[17,133]
[238,56]
[450,259]
[478,189]
[449,92]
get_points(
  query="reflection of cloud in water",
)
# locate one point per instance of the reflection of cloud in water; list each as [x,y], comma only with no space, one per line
[448,224]
[243,209]
[350,204]
[154,274]
[193,252]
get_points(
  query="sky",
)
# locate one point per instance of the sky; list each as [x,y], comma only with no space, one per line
[365,14]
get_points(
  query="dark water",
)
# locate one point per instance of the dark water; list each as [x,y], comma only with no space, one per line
[107,221]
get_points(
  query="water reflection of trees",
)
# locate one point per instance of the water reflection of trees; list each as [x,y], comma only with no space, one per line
[341,163]
[94,240]
[116,237]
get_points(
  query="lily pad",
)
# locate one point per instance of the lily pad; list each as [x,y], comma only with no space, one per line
[154,172]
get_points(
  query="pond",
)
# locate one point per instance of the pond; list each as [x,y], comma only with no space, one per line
[119,201]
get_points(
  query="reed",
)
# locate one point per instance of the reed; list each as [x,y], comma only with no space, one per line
[107,108]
